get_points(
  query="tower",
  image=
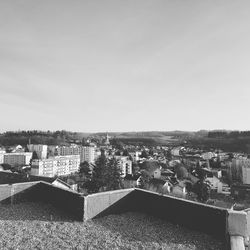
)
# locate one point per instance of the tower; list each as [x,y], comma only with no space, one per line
[107,140]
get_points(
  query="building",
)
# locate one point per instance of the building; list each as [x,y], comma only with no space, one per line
[125,165]
[41,150]
[56,166]
[2,152]
[208,155]
[135,155]
[246,171]
[240,169]
[176,151]
[69,150]
[17,159]
[87,153]
[107,140]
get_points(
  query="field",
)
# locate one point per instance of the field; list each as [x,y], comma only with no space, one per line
[40,226]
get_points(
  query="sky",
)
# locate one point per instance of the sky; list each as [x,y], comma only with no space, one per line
[124,65]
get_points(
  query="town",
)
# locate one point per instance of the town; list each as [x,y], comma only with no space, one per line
[104,163]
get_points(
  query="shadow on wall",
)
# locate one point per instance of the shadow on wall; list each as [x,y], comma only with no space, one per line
[196,216]
[63,200]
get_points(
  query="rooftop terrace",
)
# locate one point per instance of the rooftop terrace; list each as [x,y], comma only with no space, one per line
[33,225]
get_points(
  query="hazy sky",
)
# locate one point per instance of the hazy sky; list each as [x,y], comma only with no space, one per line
[124,65]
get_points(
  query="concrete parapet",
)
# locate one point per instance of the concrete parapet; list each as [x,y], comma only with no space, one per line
[237,223]
[237,243]
[96,204]
[10,193]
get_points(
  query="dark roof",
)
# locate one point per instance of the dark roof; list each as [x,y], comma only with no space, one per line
[9,178]
[157,181]
[131,177]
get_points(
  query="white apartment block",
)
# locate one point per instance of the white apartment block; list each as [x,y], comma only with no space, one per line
[59,165]
[88,154]
[69,150]
[2,152]
[245,171]
[125,165]
[18,158]
[238,166]
[41,150]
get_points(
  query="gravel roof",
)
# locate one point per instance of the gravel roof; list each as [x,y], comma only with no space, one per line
[40,226]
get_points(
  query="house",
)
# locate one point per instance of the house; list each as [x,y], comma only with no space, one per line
[179,190]
[215,183]
[158,186]
[131,181]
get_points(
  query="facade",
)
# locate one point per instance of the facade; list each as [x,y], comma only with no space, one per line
[41,150]
[56,166]
[176,151]
[2,152]
[246,171]
[69,150]
[240,169]
[135,155]
[208,155]
[87,153]
[17,159]
[125,165]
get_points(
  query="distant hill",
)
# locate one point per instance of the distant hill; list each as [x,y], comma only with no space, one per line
[232,141]
[39,137]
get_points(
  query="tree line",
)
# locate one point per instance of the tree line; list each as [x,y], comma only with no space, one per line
[228,134]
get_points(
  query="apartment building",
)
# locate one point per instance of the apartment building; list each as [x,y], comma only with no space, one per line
[17,159]
[87,153]
[69,150]
[246,171]
[2,152]
[125,165]
[41,150]
[56,166]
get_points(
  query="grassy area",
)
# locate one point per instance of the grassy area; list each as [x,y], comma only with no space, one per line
[40,226]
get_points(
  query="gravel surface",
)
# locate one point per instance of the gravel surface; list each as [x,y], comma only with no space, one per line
[31,226]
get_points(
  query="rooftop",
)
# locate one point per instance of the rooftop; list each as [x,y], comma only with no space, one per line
[32,225]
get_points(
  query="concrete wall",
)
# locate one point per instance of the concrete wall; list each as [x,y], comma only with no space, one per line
[205,218]
[197,216]
[14,192]
[104,203]
[68,201]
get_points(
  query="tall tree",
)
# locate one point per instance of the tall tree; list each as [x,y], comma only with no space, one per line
[113,175]
[85,169]
[106,175]
[99,173]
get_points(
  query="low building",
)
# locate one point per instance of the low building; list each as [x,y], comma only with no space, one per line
[17,159]
[179,190]
[56,166]
[131,181]
[208,155]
